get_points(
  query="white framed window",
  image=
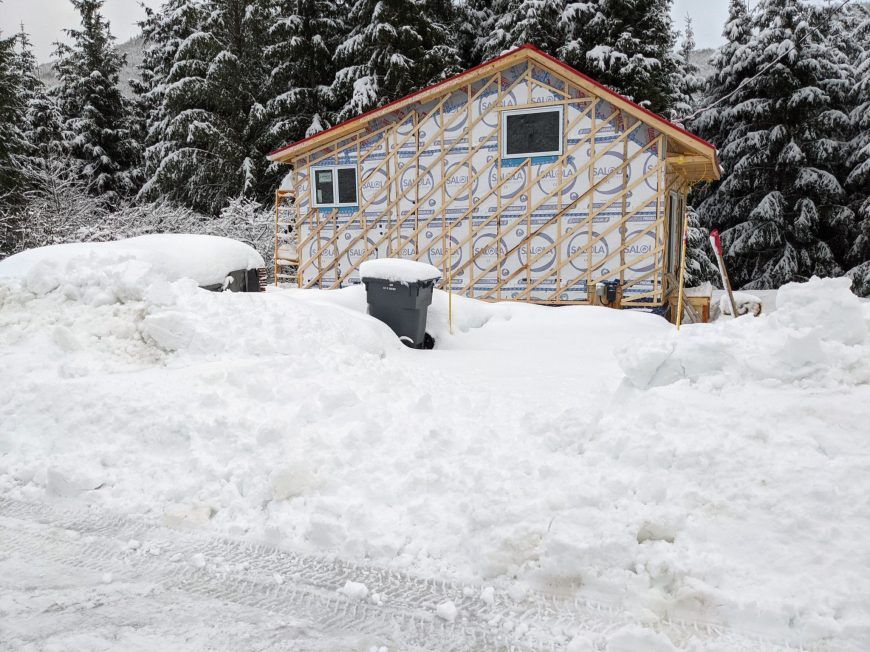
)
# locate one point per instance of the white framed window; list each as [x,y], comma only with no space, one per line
[335,186]
[532,132]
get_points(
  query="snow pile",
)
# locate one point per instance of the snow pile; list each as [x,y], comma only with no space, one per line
[819,334]
[398,270]
[104,312]
[205,258]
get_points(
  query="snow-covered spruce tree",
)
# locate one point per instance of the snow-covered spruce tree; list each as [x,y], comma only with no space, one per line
[13,105]
[517,22]
[163,32]
[43,122]
[211,114]
[97,124]
[302,40]
[858,161]
[627,45]
[733,64]
[687,83]
[700,265]
[31,86]
[394,48]
[781,201]
[473,23]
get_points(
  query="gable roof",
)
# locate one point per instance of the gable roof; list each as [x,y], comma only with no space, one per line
[694,145]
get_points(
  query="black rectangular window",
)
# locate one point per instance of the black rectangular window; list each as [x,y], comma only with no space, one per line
[532,133]
[323,189]
[346,185]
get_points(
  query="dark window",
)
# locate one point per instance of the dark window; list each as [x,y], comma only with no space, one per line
[346,185]
[323,187]
[535,132]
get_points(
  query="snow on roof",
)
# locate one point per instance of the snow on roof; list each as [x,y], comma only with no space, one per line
[398,270]
[205,258]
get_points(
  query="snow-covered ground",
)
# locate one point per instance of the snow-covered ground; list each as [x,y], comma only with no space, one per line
[571,478]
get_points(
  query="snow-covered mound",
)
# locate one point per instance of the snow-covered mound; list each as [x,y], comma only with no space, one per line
[819,334]
[107,313]
[512,456]
[207,259]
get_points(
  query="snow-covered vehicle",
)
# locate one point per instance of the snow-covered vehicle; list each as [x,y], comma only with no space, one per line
[214,262]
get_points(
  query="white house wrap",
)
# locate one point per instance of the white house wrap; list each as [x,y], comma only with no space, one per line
[520,179]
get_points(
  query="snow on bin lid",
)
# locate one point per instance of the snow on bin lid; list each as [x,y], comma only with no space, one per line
[398,270]
[207,259]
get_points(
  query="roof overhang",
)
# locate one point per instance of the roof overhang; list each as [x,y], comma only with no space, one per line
[700,161]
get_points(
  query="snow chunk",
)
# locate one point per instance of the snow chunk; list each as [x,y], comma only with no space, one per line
[182,517]
[354,590]
[398,270]
[487,596]
[70,482]
[581,644]
[291,481]
[633,638]
[447,611]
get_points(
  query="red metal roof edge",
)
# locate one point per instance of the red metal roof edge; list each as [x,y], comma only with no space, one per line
[528,46]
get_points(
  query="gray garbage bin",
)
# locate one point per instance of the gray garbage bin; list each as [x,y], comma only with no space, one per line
[402,307]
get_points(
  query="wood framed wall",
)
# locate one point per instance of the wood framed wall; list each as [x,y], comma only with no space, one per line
[434,186]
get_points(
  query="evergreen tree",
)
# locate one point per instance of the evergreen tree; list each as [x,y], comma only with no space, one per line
[687,82]
[13,99]
[303,40]
[28,68]
[43,123]
[858,160]
[513,23]
[700,267]
[627,45]
[210,119]
[473,22]
[44,126]
[96,117]
[394,47]
[733,64]
[164,32]
[782,139]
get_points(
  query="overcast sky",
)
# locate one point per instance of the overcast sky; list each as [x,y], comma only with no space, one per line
[44,20]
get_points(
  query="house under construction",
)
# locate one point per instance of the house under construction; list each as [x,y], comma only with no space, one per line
[521,179]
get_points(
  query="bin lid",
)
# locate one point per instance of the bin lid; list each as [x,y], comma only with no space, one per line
[398,270]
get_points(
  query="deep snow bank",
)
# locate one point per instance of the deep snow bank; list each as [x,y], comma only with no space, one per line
[101,298]
[820,334]
[510,455]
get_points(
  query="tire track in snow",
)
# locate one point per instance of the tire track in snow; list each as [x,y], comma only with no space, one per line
[404,614]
